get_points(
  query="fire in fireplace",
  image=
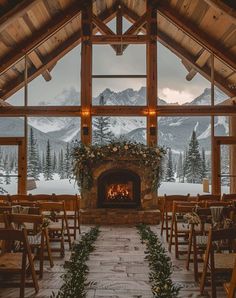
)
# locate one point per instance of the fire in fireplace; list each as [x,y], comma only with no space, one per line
[118,188]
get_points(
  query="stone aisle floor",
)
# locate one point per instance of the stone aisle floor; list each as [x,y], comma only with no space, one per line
[117,267]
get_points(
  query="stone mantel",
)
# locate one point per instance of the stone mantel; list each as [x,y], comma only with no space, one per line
[148,197]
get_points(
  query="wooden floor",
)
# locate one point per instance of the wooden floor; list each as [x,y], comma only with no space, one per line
[117,269]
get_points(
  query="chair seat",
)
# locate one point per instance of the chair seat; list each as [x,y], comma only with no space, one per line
[224,260]
[11,262]
[55,226]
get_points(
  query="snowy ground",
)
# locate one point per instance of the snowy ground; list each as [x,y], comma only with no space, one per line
[65,186]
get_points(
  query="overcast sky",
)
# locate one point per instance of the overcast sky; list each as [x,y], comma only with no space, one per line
[172,85]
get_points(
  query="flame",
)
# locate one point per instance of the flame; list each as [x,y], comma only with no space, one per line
[118,191]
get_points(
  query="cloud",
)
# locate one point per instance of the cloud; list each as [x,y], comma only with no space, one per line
[175,96]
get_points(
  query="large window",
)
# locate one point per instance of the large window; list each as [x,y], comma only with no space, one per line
[49,161]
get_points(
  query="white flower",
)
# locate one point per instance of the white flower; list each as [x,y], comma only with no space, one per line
[114,149]
[144,155]
[92,155]
[126,147]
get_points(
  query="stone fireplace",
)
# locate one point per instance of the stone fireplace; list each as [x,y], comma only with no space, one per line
[119,188]
[121,194]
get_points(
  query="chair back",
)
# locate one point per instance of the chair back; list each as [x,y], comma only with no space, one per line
[208,197]
[71,201]
[41,197]
[229,197]
[216,204]
[169,199]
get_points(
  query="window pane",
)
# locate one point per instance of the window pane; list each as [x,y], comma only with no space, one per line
[173,86]
[106,129]
[60,86]
[187,139]
[11,127]
[8,169]
[49,161]
[119,92]
[132,62]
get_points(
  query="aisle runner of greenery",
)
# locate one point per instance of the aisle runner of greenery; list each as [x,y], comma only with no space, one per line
[159,264]
[74,279]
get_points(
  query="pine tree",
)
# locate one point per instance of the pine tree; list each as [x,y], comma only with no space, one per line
[169,168]
[7,170]
[33,160]
[204,166]
[61,170]
[54,162]
[48,171]
[193,164]
[101,130]
[180,168]
[2,190]
[68,162]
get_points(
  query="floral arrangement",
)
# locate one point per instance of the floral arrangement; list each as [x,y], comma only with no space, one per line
[87,157]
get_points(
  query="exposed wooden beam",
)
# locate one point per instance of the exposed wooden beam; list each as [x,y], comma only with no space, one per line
[197,34]
[16,12]
[201,61]
[56,24]
[101,26]
[119,39]
[132,16]
[37,62]
[223,8]
[119,29]
[137,26]
[166,110]
[53,57]
[205,71]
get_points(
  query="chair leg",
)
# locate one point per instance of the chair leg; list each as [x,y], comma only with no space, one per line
[68,232]
[48,248]
[162,222]
[78,218]
[213,285]
[167,227]
[176,239]
[41,257]
[23,274]
[171,233]
[62,252]
[189,247]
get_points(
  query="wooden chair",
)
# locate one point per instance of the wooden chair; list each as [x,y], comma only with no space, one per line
[15,199]
[72,210]
[37,236]
[17,262]
[41,197]
[5,199]
[230,288]
[176,233]
[205,198]
[215,261]
[58,225]
[216,204]
[198,237]
[166,212]
[229,197]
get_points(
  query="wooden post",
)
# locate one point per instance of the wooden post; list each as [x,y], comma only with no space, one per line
[151,60]
[216,181]
[232,155]
[22,167]
[86,73]
[22,148]
[119,29]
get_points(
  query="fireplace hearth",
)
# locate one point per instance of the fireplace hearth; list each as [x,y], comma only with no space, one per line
[119,188]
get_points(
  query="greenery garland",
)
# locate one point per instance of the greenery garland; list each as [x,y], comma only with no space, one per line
[76,273]
[159,263]
[85,158]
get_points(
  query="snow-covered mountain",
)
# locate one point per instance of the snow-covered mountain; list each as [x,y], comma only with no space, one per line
[172,131]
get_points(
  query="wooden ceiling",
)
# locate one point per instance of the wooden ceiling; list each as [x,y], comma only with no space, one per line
[46,30]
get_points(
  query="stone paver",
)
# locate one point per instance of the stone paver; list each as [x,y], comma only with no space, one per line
[117,267]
